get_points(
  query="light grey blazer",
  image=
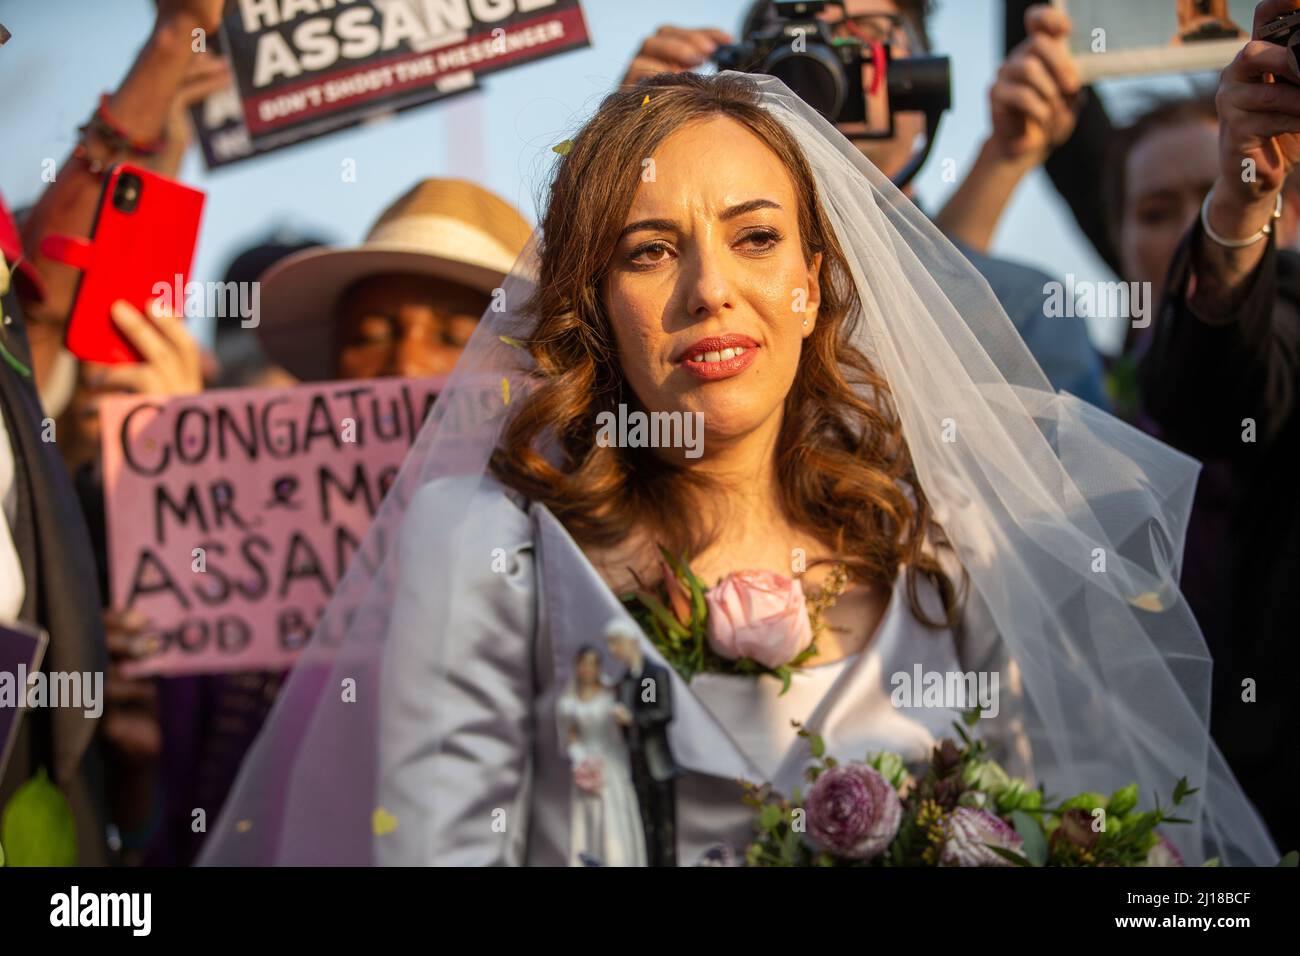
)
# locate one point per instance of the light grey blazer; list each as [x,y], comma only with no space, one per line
[471,761]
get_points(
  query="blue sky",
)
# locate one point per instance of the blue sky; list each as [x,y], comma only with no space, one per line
[65,52]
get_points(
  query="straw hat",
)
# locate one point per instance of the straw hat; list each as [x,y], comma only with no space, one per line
[445,228]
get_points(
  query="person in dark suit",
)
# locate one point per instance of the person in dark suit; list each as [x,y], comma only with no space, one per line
[55,589]
[645,695]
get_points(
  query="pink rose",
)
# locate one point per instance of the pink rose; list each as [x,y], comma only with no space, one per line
[759,615]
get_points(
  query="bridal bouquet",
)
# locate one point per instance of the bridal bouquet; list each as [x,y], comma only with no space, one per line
[961,810]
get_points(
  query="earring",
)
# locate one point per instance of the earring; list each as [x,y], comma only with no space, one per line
[805,323]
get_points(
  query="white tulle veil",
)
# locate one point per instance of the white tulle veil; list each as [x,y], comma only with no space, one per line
[1069,522]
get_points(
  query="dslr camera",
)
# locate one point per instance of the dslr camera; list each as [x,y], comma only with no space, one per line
[1284,31]
[826,72]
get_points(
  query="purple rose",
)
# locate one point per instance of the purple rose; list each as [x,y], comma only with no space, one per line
[968,830]
[1076,828]
[853,812]
[1163,853]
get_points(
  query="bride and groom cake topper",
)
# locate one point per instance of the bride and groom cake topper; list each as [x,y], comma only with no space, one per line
[624,810]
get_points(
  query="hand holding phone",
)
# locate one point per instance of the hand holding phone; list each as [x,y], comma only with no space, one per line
[143,240]
[172,361]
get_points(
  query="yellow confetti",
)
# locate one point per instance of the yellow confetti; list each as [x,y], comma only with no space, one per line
[243,826]
[513,343]
[646,101]
[505,391]
[1147,601]
[381,821]
[563,148]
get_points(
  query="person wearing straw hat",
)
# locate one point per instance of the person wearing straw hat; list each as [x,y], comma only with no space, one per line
[402,303]
[406,300]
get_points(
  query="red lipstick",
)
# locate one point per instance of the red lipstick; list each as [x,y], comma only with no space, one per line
[707,358]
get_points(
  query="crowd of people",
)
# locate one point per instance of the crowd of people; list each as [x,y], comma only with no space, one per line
[1215,374]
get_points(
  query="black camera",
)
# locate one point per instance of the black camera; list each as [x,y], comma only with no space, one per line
[826,72]
[1284,31]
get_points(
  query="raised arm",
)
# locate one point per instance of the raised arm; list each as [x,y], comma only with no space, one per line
[1259,119]
[140,106]
[1033,108]
[1224,360]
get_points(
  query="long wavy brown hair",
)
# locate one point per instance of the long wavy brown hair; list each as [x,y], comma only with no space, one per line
[843,466]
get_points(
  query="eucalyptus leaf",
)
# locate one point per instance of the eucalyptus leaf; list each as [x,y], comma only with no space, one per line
[1032,833]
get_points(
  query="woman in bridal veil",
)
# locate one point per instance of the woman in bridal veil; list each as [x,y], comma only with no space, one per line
[881,415]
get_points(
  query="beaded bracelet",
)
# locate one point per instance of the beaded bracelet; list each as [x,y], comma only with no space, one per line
[114,137]
[103,123]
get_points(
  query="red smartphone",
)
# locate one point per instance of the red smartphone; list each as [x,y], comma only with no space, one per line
[143,239]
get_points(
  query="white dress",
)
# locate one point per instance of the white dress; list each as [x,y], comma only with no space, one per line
[478,772]
[606,826]
[759,717]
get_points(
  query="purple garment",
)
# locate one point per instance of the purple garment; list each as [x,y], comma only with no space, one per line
[1205,582]
[209,722]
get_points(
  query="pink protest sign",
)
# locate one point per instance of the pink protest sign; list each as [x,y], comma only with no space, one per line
[232,515]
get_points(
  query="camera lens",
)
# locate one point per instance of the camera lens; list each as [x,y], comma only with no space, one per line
[814,75]
[126,195]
